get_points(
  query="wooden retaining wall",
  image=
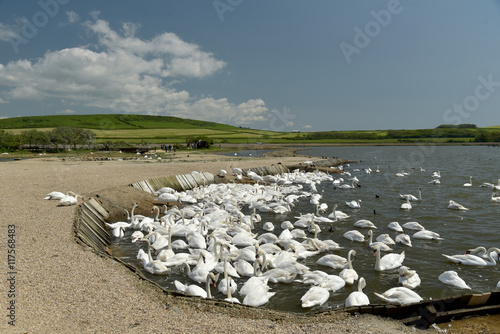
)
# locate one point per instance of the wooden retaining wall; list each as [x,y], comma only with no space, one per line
[177,182]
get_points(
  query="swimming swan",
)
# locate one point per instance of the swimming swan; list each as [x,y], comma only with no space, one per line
[389,261]
[358,298]
[399,296]
[451,277]
[316,295]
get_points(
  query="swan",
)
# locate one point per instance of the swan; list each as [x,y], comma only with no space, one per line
[354,204]
[118,232]
[364,223]
[455,206]
[338,215]
[408,278]
[195,290]
[483,253]
[389,261]
[395,226]
[413,226]
[451,277]
[70,200]
[256,292]
[382,246]
[315,296]
[229,298]
[435,181]
[406,205]
[358,298]
[399,296]
[404,239]
[225,282]
[54,195]
[354,235]
[349,275]
[426,235]
[386,239]
[495,197]
[154,267]
[412,197]
[268,226]
[333,261]
[471,259]
[468,184]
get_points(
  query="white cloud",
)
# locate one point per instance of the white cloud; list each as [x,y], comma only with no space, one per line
[7,32]
[308,126]
[66,112]
[3,101]
[72,16]
[127,74]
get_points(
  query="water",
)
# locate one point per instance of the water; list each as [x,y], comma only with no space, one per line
[247,153]
[461,230]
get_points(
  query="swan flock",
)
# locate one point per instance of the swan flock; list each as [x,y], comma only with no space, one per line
[218,230]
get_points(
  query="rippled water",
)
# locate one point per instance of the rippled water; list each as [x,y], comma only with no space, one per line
[480,226]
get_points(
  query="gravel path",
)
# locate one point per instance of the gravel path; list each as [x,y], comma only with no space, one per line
[63,287]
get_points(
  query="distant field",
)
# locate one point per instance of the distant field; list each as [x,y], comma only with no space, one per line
[166,129]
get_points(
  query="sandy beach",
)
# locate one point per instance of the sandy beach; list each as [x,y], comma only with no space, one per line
[56,285]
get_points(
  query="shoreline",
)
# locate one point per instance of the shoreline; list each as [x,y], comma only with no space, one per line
[63,286]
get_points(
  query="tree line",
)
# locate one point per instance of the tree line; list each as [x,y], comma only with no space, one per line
[58,138]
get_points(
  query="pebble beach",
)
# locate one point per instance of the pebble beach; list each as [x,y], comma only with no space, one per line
[55,284]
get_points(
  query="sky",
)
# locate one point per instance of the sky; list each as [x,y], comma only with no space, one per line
[281,65]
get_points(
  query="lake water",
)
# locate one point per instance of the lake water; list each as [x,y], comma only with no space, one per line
[461,230]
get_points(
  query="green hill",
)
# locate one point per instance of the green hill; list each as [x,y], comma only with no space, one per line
[109,122]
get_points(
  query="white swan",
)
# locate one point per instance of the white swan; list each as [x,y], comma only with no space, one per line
[358,298]
[413,226]
[468,184]
[382,246]
[70,199]
[230,298]
[412,197]
[451,277]
[399,296]
[484,257]
[354,204]
[406,205]
[154,267]
[54,195]
[349,275]
[315,296]
[389,261]
[225,282]
[427,235]
[256,292]
[408,278]
[455,206]
[395,226]
[195,290]
[337,215]
[364,223]
[333,261]
[404,239]
[354,235]
[386,239]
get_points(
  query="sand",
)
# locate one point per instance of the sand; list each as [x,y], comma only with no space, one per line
[62,286]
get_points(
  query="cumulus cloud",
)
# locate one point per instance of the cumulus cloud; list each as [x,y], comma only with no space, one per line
[308,126]
[124,73]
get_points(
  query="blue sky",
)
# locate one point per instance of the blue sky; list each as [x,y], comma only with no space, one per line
[280,65]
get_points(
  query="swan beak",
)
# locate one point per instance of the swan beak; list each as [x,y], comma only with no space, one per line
[374,252]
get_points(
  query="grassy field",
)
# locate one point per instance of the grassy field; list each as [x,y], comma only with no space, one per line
[165,129]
